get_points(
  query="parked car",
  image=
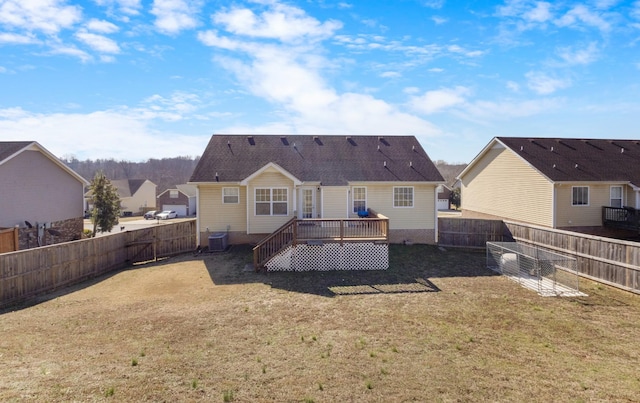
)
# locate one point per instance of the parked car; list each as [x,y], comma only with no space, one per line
[150,215]
[167,214]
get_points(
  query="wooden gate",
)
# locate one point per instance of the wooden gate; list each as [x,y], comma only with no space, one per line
[142,245]
[9,240]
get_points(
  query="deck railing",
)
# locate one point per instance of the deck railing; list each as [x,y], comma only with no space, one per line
[621,217]
[321,230]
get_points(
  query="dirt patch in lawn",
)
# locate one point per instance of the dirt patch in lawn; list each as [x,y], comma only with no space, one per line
[436,326]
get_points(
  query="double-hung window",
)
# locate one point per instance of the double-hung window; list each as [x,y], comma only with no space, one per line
[359,199]
[230,195]
[616,196]
[272,201]
[403,196]
[580,196]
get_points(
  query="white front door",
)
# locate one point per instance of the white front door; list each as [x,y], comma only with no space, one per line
[308,203]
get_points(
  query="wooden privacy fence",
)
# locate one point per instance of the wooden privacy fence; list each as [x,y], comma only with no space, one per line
[470,232]
[606,260]
[9,241]
[25,274]
[610,261]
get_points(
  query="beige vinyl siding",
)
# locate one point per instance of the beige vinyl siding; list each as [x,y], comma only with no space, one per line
[420,216]
[216,215]
[144,198]
[579,216]
[270,178]
[628,196]
[503,185]
[335,201]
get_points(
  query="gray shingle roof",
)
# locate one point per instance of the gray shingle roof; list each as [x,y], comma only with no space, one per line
[330,160]
[8,148]
[575,160]
[127,187]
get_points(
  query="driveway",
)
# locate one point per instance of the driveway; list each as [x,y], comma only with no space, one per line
[133,223]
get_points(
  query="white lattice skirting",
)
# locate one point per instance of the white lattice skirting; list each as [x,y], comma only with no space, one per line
[331,256]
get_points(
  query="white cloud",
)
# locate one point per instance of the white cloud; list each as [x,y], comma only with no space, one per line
[539,14]
[111,129]
[178,106]
[290,76]
[390,74]
[433,3]
[581,14]
[173,16]
[18,39]
[579,56]
[97,42]
[456,49]
[47,16]
[101,26]
[513,86]
[66,50]
[543,84]
[436,101]
[129,7]
[282,22]
[436,70]
[439,20]
[507,109]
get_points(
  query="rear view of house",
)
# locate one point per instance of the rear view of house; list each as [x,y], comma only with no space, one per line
[249,186]
[554,182]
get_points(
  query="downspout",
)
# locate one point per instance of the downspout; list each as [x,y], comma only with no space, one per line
[435,212]
[198,216]
[553,205]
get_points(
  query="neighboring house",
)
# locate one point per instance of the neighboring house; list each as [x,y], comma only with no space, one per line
[249,186]
[181,200]
[39,194]
[137,196]
[444,192]
[553,182]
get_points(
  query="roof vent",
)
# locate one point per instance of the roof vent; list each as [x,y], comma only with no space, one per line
[351,141]
[284,140]
[413,148]
[251,140]
[317,140]
[521,148]
[554,166]
[576,166]
[411,164]
[385,164]
[621,150]
[217,178]
[551,148]
[378,147]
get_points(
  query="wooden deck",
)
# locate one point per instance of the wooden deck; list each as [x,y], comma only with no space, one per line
[627,218]
[321,230]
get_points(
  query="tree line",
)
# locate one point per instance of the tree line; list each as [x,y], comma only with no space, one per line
[166,173]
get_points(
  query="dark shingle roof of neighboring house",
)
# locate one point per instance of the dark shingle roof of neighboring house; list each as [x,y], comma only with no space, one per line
[127,187]
[8,148]
[580,160]
[330,160]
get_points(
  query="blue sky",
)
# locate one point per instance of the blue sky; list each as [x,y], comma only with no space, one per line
[140,79]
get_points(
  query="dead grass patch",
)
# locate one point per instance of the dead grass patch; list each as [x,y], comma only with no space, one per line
[435,326]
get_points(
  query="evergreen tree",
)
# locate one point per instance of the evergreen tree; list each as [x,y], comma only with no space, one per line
[454,198]
[106,204]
